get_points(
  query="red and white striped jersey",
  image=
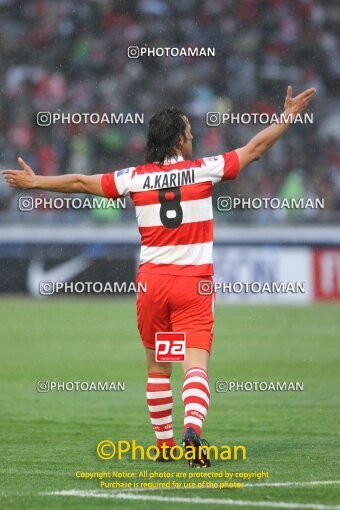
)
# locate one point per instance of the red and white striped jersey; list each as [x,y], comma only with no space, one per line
[174,210]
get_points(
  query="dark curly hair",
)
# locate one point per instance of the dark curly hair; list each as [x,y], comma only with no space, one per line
[165,128]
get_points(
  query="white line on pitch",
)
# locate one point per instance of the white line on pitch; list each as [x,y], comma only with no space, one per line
[191,501]
[292,484]
[250,485]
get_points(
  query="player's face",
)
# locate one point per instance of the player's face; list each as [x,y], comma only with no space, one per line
[186,144]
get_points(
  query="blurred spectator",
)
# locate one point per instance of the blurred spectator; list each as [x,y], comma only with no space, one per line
[70,56]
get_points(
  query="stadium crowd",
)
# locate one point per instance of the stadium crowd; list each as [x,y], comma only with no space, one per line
[69,56]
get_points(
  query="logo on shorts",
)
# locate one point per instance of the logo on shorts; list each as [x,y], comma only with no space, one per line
[170,346]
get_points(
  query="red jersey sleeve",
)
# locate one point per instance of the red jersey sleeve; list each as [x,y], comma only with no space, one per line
[117,184]
[231,165]
[109,186]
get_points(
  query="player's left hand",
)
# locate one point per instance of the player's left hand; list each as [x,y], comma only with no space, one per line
[298,104]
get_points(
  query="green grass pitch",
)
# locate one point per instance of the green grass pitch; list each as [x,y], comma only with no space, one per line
[46,438]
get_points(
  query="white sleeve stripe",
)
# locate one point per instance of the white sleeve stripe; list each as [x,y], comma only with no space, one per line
[123,180]
[214,168]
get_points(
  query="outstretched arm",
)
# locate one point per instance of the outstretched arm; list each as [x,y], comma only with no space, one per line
[72,183]
[264,140]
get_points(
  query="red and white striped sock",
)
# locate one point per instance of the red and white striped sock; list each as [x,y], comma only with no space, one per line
[159,398]
[196,397]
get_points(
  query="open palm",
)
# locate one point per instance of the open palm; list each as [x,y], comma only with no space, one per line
[22,179]
[296,105]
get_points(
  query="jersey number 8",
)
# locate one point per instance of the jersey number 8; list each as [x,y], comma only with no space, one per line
[171,212]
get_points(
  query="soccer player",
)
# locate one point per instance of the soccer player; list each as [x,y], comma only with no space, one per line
[172,196]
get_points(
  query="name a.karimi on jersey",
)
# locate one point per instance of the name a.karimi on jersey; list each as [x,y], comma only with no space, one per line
[169,179]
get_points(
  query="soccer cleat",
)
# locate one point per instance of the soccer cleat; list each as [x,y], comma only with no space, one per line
[190,438]
[162,458]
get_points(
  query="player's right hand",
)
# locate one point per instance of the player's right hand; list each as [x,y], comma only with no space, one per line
[22,179]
